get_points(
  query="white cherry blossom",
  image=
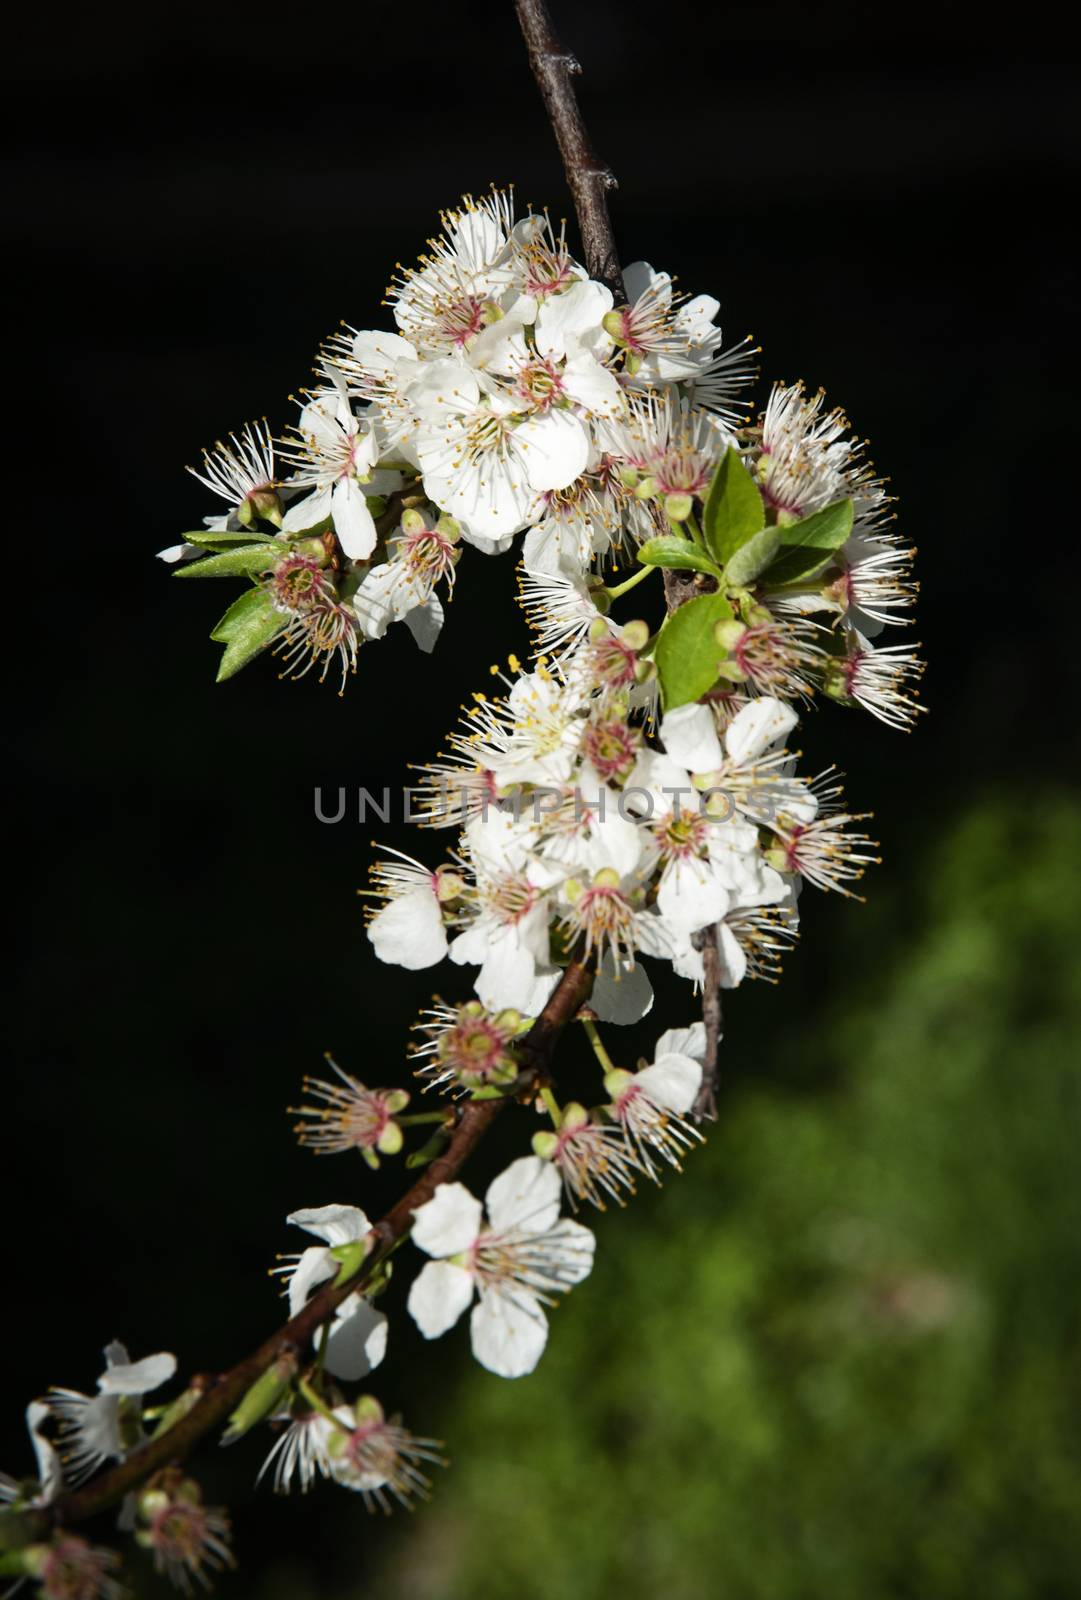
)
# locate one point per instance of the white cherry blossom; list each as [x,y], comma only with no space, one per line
[514,1264]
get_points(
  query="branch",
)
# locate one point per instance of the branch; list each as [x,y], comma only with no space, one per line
[223,1392]
[705,1105]
[587,177]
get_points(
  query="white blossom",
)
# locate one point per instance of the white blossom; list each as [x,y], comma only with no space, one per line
[514,1264]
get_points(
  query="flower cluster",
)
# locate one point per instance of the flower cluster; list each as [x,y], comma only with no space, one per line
[630,797]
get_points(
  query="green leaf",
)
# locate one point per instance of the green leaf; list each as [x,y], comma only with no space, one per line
[753,557]
[236,615]
[806,546]
[687,654]
[216,538]
[734,511]
[669,550]
[235,563]
[249,625]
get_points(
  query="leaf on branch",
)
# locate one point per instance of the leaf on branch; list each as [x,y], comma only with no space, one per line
[669,550]
[235,563]
[249,625]
[753,557]
[218,539]
[734,511]
[806,546]
[687,653]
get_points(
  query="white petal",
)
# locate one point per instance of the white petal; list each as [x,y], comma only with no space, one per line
[690,737]
[138,1377]
[592,386]
[637,279]
[357,1341]
[621,997]
[302,514]
[449,1222]
[733,961]
[352,520]
[570,1247]
[672,1082]
[425,623]
[683,1042]
[50,1473]
[691,895]
[439,1294]
[409,931]
[524,1197]
[508,1335]
[757,726]
[332,1224]
[564,318]
[554,449]
[316,1266]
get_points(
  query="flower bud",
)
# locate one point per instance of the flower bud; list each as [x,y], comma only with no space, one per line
[613,324]
[728,634]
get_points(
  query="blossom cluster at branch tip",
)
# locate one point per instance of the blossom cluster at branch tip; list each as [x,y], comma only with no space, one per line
[628,800]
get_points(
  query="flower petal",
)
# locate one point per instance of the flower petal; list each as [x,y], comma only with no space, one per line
[508,1335]
[690,737]
[357,1341]
[449,1222]
[352,519]
[439,1294]
[672,1082]
[409,931]
[332,1224]
[620,996]
[138,1377]
[757,726]
[524,1197]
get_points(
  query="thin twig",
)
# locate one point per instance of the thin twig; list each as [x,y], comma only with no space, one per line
[705,1105]
[222,1393]
[587,177]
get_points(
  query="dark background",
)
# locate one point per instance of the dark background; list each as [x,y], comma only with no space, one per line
[195,199]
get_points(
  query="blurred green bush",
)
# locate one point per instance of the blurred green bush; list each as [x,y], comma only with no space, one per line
[839,1357]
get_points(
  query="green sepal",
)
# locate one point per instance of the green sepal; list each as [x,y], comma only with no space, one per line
[668,550]
[237,563]
[687,653]
[250,624]
[806,546]
[263,1398]
[734,511]
[350,1257]
[753,557]
[179,1409]
[428,1152]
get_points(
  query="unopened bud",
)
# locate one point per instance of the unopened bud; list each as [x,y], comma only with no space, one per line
[449,885]
[728,634]
[678,507]
[614,325]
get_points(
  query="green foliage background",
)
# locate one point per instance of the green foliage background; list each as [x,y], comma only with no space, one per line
[839,1357]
